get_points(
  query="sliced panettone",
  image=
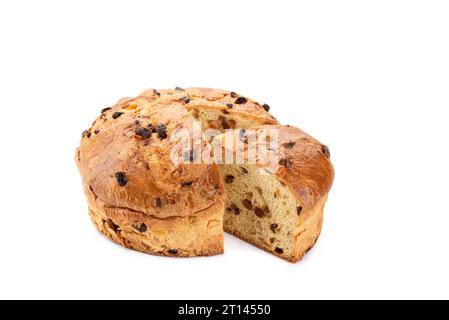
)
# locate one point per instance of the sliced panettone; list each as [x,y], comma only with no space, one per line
[277,179]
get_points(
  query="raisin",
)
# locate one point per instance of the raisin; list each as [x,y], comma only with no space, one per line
[241,100]
[116,115]
[266,107]
[259,212]
[187,184]
[185,99]
[235,209]
[158,202]
[299,210]
[179,89]
[142,228]
[233,94]
[224,123]
[274,227]
[173,251]
[229,105]
[289,145]
[143,133]
[325,151]
[278,250]
[86,134]
[161,131]
[105,109]
[286,163]
[121,179]
[112,225]
[247,204]
[229,179]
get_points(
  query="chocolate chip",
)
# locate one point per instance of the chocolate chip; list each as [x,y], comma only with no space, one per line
[116,115]
[112,225]
[173,251]
[158,202]
[299,210]
[233,94]
[274,227]
[186,184]
[179,89]
[241,100]
[259,212]
[266,107]
[247,204]
[86,133]
[229,105]
[142,228]
[325,151]
[121,179]
[278,250]
[229,179]
[286,163]
[151,128]
[143,133]
[289,145]
[161,131]
[105,109]
[235,209]
[185,99]
[97,131]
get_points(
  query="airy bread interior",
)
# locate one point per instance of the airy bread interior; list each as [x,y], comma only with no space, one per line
[259,209]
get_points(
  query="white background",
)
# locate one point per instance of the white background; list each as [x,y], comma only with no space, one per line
[368,78]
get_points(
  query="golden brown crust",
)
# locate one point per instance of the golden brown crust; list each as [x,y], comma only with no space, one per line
[230,102]
[154,185]
[304,165]
[175,237]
